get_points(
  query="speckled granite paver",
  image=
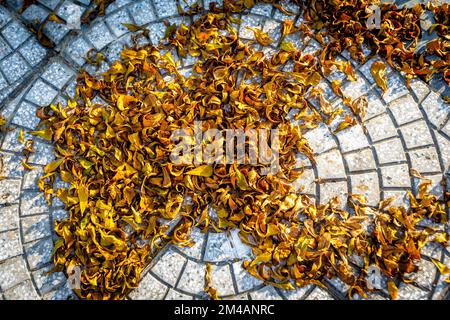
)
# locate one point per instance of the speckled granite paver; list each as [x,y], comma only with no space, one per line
[404,129]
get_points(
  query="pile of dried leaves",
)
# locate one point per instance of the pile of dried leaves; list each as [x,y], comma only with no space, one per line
[123,188]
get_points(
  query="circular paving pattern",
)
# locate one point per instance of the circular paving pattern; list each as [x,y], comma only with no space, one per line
[404,129]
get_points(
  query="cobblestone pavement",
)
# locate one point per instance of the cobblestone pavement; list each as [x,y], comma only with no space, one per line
[406,128]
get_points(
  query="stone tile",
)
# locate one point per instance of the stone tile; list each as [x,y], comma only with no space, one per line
[266,293]
[35,12]
[426,274]
[320,139]
[196,250]
[175,295]
[330,165]
[305,183]
[43,153]
[435,188]
[396,88]
[41,94]
[425,160]
[390,151]
[416,134]
[360,160]
[5,16]
[401,198]
[33,51]
[50,3]
[319,294]
[62,293]
[218,248]
[31,178]
[165,8]
[142,12]
[149,289]
[45,282]
[9,217]
[381,127]
[250,21]
[273,29]
[396,176]
[244,280]
[77,50]
[157,31]
[405,110]
[24,291]
[287,5]
[352,138]
[5,49]
[9,191]
[263,9]
[57,74]
[33,203]
[15,34]
[330,190]
[241,250]
[169,267]
[436,109]
[419,88]
[222,280]
[444,149]
[192,278]
[409,292]
[14,67]
[13,272]
[365,69]
[366,184]
[38,253]
[56,31]
[297,294]
[10,244]
[35,227]
[99,36]
[10,165]
[356,89]
[26,116]
[116,20]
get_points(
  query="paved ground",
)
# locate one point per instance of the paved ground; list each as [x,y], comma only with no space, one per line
[406,128]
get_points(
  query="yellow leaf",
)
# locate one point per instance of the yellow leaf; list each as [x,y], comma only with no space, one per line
[378,71]
[202,171]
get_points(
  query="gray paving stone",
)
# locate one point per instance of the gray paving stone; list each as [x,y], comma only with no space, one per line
[297,294]
[31,178]
[35,227]
[12,272]
[5,49]
[396,88]
[165,8]
[263,9]
[420,89]
[330,165]
[319,294]
[320,139]
[360,160]
[149,289]
[38,253]
[62,293]
[34,12]
[192,278]
[381,127]
[396,176]
[56,31]
[26,116]
[41,94]
[390,151]
[356,89]
[250,21]
[10,244]
[45,282]
[116,20]
[436,109]
[366,184]
[9,217]
[57,74]
[9,191]
[33,203]
[401,198]
[266,293]
[287,5]
[169,267]
[24,291]
[444,149]
[196,250]
[244,280]
[222,280]
[416,134]
[33,52]
[305,183]
[77,50]
[425,160]
[405,110]
[14,67]
[329,190]
[142,12]
[15,34]
[99,36]
[11,166]
[352,138]
[218,248]
[50,3]
[410,292]
[43,153]
[5,16]
[176,295]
